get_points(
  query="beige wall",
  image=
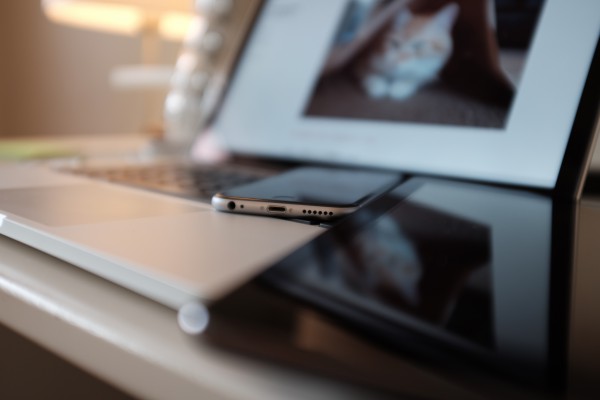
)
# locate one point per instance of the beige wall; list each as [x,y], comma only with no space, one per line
[3,55]
[54,79]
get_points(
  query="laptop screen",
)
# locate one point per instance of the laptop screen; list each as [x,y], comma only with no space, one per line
[484,90]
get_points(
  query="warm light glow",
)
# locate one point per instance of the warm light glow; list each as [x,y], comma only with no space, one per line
[174,25]
[127,17]
[108,17]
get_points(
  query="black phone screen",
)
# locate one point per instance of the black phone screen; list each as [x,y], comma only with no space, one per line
[318,186]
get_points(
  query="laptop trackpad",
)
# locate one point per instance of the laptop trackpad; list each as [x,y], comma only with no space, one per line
[86,204]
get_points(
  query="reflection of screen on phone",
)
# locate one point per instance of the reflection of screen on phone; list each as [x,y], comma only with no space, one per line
[414,266]
[444,271]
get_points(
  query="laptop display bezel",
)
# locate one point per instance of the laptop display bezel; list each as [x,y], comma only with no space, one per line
[584,131]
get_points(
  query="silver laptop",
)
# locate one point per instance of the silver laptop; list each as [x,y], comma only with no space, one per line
[486,91]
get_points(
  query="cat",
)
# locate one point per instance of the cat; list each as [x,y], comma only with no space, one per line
[409,55]
[393,262]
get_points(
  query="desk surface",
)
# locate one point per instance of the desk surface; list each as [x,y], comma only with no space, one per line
[125,339]
[135,344]
[131,342]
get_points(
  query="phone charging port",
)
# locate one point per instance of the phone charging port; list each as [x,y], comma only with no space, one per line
[276,209]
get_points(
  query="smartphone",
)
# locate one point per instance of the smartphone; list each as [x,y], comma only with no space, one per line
[313,193]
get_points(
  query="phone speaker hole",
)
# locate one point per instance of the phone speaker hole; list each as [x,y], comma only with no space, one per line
[315,212]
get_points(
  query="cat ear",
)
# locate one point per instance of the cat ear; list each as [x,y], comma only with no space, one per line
[446,17]
[403,18]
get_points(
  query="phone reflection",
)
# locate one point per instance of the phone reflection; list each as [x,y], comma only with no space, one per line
[414,264]
[450,274]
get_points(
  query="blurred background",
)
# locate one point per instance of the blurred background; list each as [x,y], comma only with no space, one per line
[55,78]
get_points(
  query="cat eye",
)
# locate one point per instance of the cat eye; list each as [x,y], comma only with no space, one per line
[437,46]
[397,43]
[419,47]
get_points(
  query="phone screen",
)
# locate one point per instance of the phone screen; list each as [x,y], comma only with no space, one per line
[317,186]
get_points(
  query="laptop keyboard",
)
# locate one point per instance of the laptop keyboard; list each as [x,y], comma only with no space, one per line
[190,181]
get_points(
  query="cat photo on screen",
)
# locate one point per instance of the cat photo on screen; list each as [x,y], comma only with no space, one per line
[451,62]
[409,55]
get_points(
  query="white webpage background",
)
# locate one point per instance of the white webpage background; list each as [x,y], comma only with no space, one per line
[263,110]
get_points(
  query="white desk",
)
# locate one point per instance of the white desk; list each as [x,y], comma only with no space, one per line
[125,339]
[131,342]
[135,344]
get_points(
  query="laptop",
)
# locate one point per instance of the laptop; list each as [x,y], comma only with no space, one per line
[500,92]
